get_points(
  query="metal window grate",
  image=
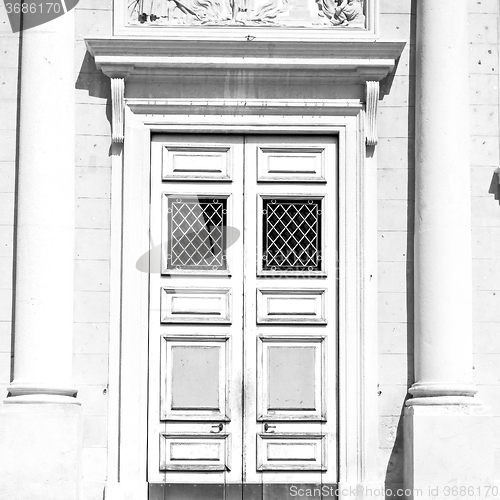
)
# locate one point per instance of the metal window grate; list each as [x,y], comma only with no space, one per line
[197,234]
[291,235]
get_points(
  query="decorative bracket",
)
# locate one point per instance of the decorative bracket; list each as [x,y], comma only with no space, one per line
[372,97]
[118,108]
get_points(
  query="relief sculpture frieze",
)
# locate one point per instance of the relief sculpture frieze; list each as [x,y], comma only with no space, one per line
[306,13]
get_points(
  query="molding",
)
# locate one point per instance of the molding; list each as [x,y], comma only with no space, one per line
[233,107]
[118,108]
[346,61]
[372,97]
[270,31]
[358,437]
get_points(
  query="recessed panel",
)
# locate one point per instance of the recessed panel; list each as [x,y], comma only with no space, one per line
[291,378]
[194,378]
[194,452]
[288,306]
[291,164]
[281,452]
[196,305]
[185,163]
[278,451]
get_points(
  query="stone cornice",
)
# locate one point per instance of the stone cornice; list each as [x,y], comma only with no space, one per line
[346,61]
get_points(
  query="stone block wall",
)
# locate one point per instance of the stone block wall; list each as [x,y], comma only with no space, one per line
[93,18]
[396,173]
[396,168]
[9,55]
[396,206]
[484,125]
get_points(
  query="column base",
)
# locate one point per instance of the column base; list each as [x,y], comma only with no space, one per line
[429,390]
[40,452]
[38,391]
[447,447]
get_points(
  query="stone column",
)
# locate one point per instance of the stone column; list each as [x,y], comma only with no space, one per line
[40,424]
[45,213]
[445,427]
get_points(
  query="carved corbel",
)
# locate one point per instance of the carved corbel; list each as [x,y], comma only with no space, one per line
[372,97]
[118,109]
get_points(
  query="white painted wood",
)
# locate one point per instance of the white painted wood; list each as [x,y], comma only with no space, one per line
[134,286]
[291,452]
[194,452]
[195,367]
[205,395]
[357,438]
[201,161]
[201,390]
[300,162]
[278,305]
[301,381]
[284,409]
[196,305]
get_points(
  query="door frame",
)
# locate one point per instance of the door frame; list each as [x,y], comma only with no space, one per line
[357,285]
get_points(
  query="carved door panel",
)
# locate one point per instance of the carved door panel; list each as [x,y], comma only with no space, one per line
[290,312]
[196,343]
[243,312]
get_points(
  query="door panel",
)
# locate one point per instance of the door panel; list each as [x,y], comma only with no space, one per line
[290,374]
[291,452]
[194,381]
[291,306]
[243,369]
[194,453]
[195,161]
[291,377]
[196,303]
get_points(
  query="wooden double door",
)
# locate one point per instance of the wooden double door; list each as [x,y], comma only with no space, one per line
[242,308]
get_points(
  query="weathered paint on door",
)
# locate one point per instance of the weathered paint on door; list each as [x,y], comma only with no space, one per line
[243,319]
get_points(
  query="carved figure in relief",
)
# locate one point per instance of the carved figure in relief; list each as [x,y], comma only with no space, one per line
[343,12]
[249,12]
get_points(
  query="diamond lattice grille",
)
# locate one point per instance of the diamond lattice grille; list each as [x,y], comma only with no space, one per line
[292,238]
[197,234]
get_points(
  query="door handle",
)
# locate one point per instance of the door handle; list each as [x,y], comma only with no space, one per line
[267,427]
[217,428]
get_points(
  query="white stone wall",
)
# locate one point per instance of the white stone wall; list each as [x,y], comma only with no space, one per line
[93,183]
[484,82]
[395,224]
[396,210]
[396,197]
